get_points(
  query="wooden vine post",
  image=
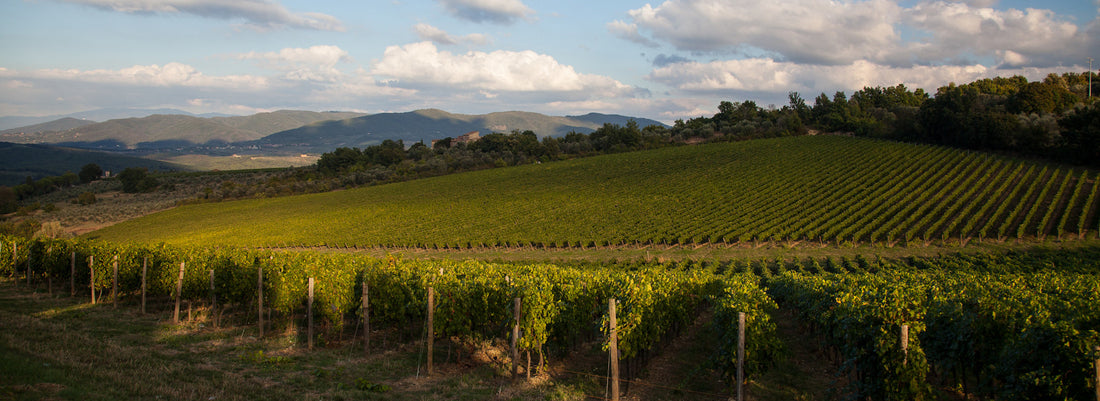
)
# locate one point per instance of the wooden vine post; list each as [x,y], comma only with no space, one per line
[905,344]
[1097,373]
[49,275]
[213,300]
[740,356]
[613,344]
[431,329]
[515,339]
[29,274]
[260,297]
[366,318]
[309,313]
[144,272]
[91,277]
[72,275]
[114,284]
[179,290]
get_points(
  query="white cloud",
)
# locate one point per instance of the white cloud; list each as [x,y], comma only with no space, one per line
[423,65]
[260,14]
[1019,37]
[840,32]
[807,31]
[629,32]
[494,11]
[316,63]
[776,77]
[171,74]
[441,37]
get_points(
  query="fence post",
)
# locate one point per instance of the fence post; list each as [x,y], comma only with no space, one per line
[29,273]
[515,339]
[309,313]
[431,328]
[905,344]
[260,296]
[1097,373]
[179,289]
[72,275]
[613,344]
[114,285]
[213,300]
[144,271]
[366,317]
[91,277]
[740,356]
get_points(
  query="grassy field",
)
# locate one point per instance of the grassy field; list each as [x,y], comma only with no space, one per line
[824,189]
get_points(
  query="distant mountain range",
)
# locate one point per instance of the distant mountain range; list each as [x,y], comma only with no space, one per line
[7,123]
[429,124]
[297,131]
[166,131]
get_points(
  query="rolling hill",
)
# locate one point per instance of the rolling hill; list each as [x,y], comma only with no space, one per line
[814,188]
[161,131]
[38,161]
[297,131]
[62,124]
[426,125]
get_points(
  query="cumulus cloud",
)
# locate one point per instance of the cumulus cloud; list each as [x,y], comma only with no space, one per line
[1017,37]
[441,37]
[841,32]
[494,11]
[423,65]
[171,74]
[316,63]
[629,32]
[805,31]
[764,75]
[260,14]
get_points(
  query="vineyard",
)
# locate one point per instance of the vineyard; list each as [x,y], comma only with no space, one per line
[822,189]
[1019,325]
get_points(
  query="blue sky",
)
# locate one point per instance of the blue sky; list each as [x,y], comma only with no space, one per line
[661,60]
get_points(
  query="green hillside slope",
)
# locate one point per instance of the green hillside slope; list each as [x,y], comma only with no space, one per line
[19,161]
[819,188]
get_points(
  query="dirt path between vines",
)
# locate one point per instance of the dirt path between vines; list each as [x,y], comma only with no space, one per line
[807,373]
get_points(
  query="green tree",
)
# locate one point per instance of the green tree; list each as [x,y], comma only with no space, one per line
[9,202]
[90,172]
[136,180]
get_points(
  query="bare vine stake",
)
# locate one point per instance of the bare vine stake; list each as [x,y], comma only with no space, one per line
[309,313]
[905,344]
[260,296]
[179,289]
[72,275]
[613,343]
[740,356]
[114,285]
[29,275]
[431,329]
[515,340]
[14,256]
[144,271]
[366,318]
[91,279]
[213,300]
[1098,373]
[49,276]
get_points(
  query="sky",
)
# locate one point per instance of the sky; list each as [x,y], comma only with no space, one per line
[668,60]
